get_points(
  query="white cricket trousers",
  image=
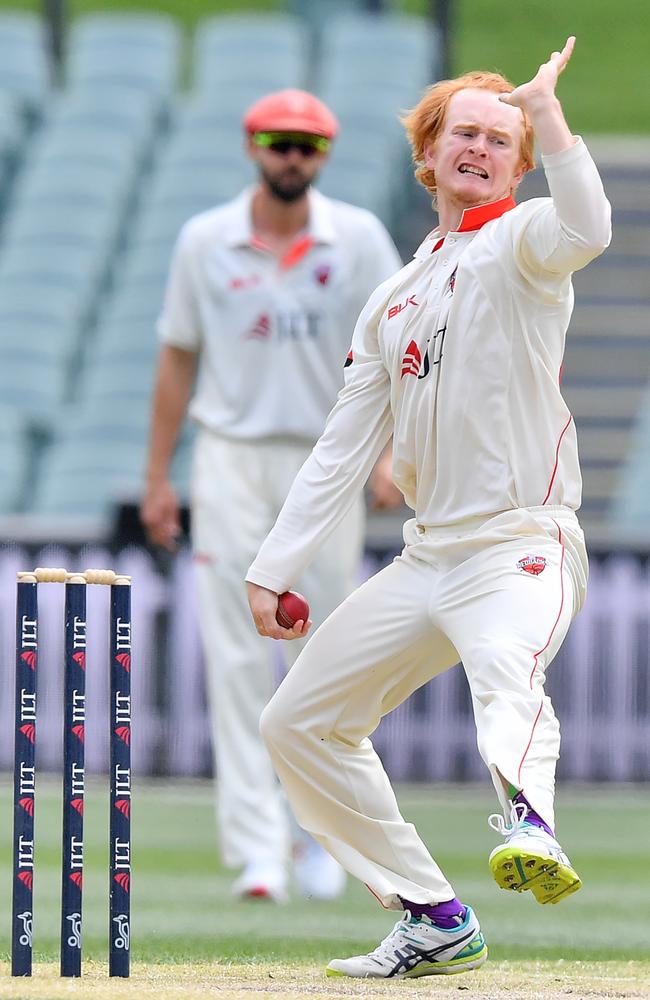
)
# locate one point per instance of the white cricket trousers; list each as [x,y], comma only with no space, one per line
[238,488]
[498,595]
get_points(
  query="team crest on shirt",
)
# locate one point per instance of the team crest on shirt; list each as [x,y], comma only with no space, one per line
[323,273]
[534,565]
[452,280]
[261,329]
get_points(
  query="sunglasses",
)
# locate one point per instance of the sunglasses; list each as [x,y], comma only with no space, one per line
[284,142]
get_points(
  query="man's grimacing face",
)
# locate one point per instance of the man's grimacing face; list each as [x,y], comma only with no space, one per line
[476,157]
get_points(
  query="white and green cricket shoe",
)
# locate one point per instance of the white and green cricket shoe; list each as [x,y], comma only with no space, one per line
[416,947]
[531,859]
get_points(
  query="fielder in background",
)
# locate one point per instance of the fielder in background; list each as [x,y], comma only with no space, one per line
[459,357]
[263,295]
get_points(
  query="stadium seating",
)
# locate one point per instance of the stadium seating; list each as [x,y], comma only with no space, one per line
[373,68]
[15,456]
[69,206]
[12,135]
[24,63]
[261,52]
[367,49]
[139,51]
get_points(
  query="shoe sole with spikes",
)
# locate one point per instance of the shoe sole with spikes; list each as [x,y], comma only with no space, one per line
[549,881]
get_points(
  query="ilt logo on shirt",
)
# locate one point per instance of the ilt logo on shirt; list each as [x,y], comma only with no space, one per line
[413,362]
[261,329]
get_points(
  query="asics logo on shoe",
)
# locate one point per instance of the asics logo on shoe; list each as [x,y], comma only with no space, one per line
[413,955]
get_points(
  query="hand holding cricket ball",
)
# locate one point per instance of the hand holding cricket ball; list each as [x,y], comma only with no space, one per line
[280,616]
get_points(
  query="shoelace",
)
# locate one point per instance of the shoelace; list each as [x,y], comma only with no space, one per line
[518,813]
[383,946]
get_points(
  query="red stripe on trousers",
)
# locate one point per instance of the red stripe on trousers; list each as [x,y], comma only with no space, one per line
[540,651]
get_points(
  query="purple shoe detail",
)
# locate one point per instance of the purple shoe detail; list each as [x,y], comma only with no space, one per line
[449,914]
[531,816]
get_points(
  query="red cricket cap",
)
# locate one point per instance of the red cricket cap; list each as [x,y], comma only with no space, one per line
[291,111]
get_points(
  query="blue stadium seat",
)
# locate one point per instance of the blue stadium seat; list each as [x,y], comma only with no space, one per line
[372,48]
[269,51]
[111,108]
[33,384]
[24,63]
[15,458]
[629,513]
[12,135]
[53,223]
[369,189]
[139,51]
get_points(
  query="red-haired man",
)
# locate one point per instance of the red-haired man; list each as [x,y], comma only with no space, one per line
[458,356]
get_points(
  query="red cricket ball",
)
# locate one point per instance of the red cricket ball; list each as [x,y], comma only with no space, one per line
[292,607]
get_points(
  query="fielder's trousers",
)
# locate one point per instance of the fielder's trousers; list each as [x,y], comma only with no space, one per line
[498,594]
[238,489]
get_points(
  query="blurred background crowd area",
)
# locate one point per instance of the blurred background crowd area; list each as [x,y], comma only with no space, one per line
[118,122]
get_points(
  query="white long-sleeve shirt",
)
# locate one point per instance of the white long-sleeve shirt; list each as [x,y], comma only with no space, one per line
[459,355]
[270,333]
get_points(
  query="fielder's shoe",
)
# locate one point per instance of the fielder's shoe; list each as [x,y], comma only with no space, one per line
[531,859]
[318,875]
[262,880]
[418,948]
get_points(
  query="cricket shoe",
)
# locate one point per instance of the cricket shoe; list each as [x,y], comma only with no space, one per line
[416,947]
[531,859]
[262,880]
[317,874]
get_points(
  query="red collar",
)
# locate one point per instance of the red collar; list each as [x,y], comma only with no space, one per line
[474,218]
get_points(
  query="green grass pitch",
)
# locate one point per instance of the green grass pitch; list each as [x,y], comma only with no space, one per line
[186,930]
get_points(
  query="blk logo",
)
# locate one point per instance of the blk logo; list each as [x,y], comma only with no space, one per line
[238,283]
[396,310]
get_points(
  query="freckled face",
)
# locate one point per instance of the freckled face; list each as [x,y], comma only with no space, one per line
[476,156]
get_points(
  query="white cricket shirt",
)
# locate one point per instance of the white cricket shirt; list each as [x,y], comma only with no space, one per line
[272,334]
[459,355]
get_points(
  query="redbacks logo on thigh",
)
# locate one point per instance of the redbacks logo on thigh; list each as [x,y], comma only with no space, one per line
[533,565]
